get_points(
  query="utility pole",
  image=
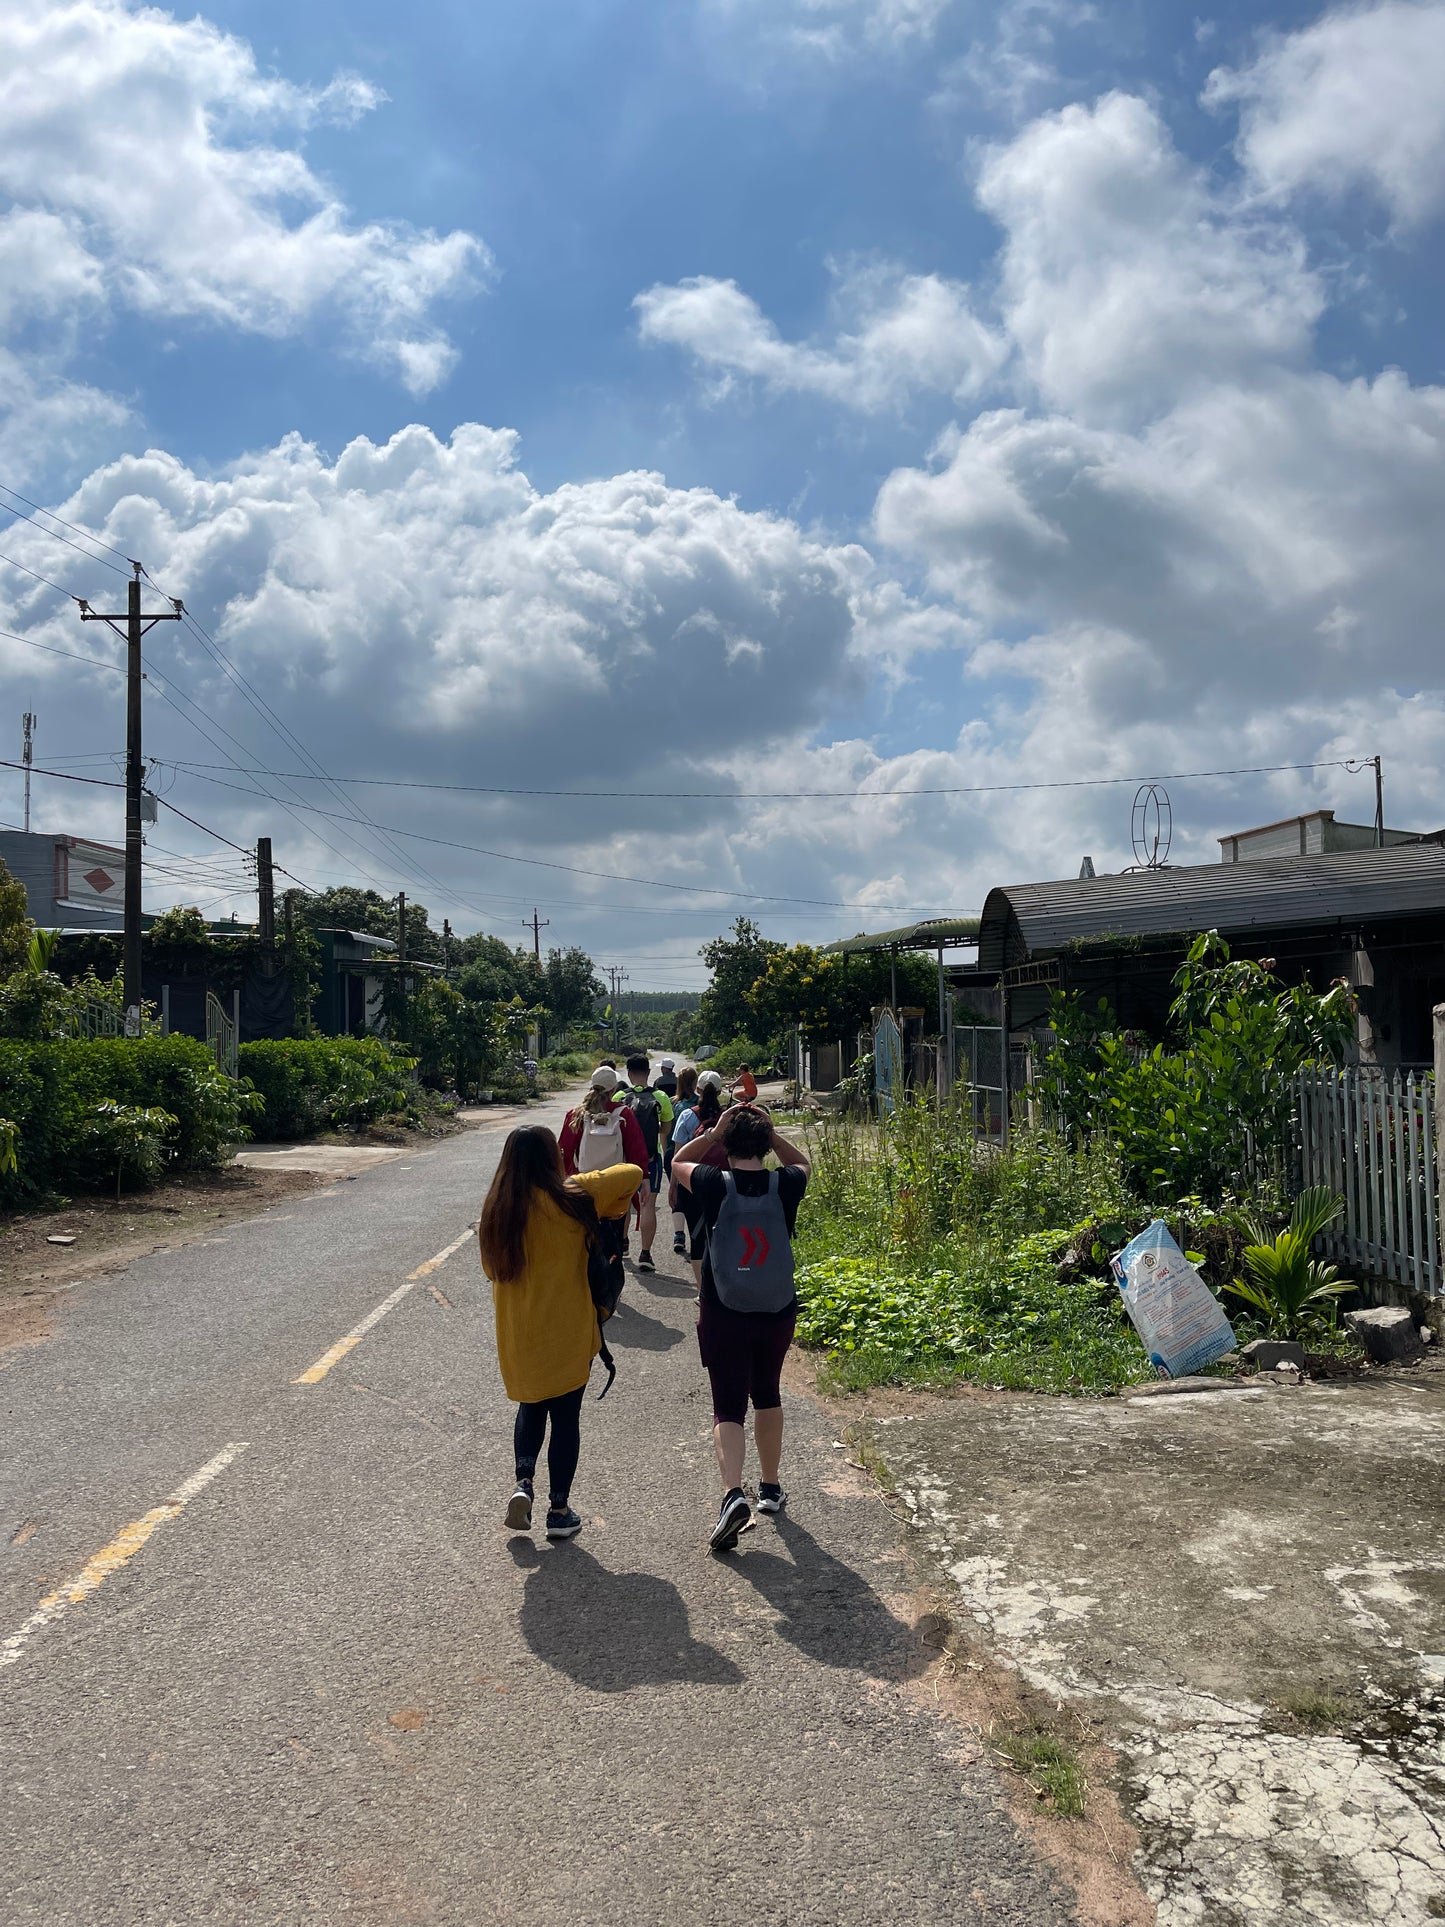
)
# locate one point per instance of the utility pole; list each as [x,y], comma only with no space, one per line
[531,923]
[401,927]
[446,943]
[266,898]
[137,624]
[619,978]
[1379,806]
[28,757]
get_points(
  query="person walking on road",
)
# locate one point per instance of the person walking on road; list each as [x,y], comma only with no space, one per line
[666,1079]
[599,1132]
[748,1307]
[686,1100]
[652,1111]
[535,1229]
[701,1115]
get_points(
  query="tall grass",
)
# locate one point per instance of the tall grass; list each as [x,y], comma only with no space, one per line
[925,1255]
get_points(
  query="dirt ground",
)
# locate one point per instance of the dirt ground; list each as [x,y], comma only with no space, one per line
[1238,1595]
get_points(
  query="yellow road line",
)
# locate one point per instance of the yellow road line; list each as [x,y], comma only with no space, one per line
[121,1550]
[318,1371]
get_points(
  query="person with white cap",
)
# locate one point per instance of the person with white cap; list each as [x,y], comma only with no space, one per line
[600,1132]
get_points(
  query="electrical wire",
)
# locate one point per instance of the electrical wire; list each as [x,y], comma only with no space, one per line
[24,570]
[96,662]
[609,876]
[99,541]
[1352,764]
[20,516]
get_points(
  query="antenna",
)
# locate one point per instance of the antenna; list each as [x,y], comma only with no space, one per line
[1151,827]
[28,755]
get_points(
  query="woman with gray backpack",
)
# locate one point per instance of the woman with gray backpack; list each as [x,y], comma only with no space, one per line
[748,1307]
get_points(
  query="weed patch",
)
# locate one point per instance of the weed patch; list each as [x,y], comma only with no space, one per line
[1051,1768]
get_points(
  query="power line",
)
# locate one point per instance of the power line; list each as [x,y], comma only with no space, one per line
[609,876]
[99,541]
[1352,764]
[54,537]
[25,570]
[96,662]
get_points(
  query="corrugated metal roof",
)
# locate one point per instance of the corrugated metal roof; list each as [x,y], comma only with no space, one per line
[948,931]
[1028,920]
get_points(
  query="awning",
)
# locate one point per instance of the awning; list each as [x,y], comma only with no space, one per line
[936,933]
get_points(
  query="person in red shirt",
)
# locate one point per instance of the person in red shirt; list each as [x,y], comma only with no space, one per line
[745,1090]
[597,1118]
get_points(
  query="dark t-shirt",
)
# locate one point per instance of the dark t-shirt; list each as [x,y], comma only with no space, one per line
[709,1191]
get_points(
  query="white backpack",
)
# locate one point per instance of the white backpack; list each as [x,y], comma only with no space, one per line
[601,1145]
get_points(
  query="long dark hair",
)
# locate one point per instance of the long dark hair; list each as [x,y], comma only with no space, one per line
[530,1167]
[709,1106]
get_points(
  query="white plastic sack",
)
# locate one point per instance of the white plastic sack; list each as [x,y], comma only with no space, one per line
[1179,1320]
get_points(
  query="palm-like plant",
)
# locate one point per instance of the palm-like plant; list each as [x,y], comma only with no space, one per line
[1285,1285]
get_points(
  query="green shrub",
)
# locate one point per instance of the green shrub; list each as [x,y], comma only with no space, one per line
[728,1059]
[310,1084]
[74,1101]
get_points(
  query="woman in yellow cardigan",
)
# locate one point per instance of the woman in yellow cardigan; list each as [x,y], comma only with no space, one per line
[534,1231]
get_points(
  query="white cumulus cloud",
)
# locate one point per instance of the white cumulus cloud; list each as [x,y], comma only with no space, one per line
[169,166]
[898,334]
[1354,100]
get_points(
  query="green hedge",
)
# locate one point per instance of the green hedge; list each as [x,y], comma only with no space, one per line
[54,1092]
[310,1084]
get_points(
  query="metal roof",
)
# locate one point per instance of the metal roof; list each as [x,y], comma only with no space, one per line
[947,931]
[1022,921]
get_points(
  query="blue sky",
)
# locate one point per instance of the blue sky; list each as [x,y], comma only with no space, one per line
[1030,390]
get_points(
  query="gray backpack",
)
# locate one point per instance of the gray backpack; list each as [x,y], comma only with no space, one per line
[751,1252]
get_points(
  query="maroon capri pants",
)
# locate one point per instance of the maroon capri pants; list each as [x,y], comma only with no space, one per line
[743,1354]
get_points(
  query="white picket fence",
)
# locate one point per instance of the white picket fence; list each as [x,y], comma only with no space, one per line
[1370,1136]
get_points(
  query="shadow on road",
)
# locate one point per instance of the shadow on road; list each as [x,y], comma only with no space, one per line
[611,1630]
[661,1285]
[825,1609]
[634,1328]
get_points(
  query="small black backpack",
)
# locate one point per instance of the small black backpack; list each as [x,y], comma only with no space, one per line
[605,1279]
[648,1112]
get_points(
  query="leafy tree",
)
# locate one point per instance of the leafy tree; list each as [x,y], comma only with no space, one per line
[571,988]
[497,972]
[15,925]
[347,907]
[736,962]
[797,986]
[1186,1113]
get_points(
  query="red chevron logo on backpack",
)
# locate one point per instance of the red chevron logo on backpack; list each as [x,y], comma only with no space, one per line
[755,1247]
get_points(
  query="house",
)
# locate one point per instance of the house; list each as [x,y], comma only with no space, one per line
[1316,834]
[353,966]
[1374,917]
[69,884]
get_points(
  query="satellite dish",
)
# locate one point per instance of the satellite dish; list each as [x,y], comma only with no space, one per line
[1151,826]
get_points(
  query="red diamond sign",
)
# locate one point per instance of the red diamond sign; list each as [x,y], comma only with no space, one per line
[99,881]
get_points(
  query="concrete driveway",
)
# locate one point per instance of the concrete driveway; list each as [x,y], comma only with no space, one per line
[1247,1590]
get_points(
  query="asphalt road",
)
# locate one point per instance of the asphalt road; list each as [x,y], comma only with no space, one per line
[267,1655]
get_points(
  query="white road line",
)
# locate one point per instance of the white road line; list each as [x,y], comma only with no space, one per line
[318,1371]
[121,1550]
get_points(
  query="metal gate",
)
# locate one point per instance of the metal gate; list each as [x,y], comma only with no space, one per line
[1369,1136]
[978,1062]
[887,1063]
[221,1037]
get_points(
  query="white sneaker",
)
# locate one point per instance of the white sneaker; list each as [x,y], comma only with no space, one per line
[771,1498]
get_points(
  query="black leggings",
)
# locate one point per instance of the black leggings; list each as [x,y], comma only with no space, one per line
[562,1448]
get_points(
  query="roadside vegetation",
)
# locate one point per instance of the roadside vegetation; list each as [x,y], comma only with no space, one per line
[927,1257]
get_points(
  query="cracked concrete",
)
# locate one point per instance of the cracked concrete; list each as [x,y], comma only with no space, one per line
[1248,1591]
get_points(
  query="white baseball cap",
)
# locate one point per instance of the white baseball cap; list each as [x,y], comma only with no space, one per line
[667,1063]
[604,1078]
[709,1081]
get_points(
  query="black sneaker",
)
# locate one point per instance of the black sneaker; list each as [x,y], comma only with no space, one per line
[644,1261]
[563,1524]
[736,1514]
[519,1508]
[771,1498]
[679,1243]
